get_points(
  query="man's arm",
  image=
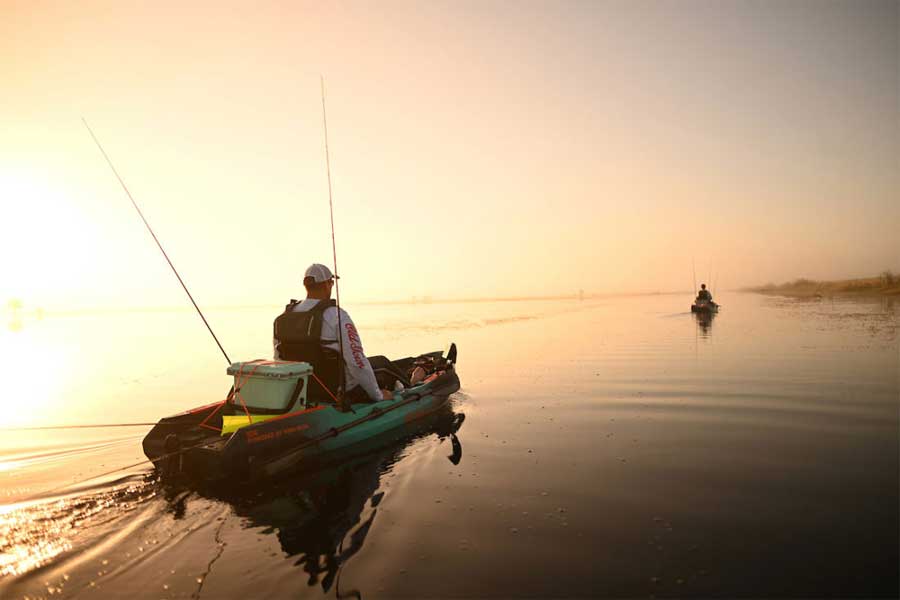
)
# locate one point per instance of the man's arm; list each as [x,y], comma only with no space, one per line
[355,358]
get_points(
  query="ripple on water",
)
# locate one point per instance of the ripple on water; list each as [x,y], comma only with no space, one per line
[35,533]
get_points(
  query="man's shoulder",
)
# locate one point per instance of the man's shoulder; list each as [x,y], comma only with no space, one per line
[302,305]
[332,312]
[309,304]
[345,316]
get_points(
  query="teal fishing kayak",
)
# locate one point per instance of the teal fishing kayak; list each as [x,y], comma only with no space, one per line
[272,421]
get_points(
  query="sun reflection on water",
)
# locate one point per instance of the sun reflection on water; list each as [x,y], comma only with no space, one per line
[33,534]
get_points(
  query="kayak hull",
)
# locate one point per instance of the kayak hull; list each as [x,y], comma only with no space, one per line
[189,445]
[705,307]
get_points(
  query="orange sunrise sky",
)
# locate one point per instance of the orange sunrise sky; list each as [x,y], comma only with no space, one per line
[477,148]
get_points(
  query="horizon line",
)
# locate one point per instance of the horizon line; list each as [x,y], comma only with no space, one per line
[414,300]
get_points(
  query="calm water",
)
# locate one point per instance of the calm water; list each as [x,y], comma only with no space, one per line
[613,447]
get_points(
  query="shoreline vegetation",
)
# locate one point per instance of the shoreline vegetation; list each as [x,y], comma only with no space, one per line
[885,284]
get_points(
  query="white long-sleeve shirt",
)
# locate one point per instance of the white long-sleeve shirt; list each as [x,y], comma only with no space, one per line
[357,369]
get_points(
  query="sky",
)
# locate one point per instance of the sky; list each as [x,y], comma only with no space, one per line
[478,149]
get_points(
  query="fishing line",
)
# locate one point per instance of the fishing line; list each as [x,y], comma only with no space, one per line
[155,239]
[337,289]
[89,426]
[47,494]
[333,432]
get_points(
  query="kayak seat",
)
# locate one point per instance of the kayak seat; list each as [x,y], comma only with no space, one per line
[387,373]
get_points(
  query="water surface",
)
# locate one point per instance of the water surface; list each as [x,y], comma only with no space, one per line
[610,447]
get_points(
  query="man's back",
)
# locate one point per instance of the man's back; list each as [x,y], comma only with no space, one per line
[358,371]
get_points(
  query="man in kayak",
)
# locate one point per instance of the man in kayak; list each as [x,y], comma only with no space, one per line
[307,331]
[703,294]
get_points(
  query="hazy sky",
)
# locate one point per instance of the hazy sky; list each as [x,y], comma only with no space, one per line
[477,148]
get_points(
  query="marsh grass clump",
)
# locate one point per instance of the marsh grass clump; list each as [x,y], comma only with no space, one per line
[885,284]
[801,282]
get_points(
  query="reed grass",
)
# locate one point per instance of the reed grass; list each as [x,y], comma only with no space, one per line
[885,284]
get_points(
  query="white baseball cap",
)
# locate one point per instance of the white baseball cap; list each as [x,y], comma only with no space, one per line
[319,273]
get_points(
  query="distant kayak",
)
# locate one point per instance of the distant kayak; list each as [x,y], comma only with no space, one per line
[704,306]
[272,421]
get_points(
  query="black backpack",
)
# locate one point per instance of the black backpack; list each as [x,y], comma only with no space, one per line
[299,338]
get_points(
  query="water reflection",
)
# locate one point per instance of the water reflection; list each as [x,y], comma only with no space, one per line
[704,322]
[324,517]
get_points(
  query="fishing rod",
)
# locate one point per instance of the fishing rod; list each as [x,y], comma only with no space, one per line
[337,289]
[694,268]
[155,239]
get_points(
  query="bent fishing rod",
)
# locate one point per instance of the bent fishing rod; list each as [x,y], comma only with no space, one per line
[155,239]
[337,289]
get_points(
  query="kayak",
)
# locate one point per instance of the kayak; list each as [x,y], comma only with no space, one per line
[275,419]
[704,306]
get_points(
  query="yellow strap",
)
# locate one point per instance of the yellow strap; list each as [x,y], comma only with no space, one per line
[231,423]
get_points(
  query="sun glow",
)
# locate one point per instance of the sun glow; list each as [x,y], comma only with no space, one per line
[40,369]
[46,243]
